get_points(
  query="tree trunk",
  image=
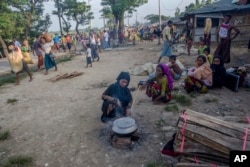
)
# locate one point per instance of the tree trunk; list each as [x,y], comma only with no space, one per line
[116,27]
[66,24]
[77,25]
[28,19]
[4,46]
[121,23]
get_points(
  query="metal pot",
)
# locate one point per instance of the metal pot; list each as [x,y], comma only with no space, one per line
[125,126]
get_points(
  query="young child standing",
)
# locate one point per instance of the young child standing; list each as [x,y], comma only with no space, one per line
[88,56]
[202,46]
[206,52]
[174,68]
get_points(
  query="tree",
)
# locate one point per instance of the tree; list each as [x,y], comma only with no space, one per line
[107,14]
[61,9]
[119,7]
[79,12]
[29,9]
[154,18]
[11,23]
[177,12]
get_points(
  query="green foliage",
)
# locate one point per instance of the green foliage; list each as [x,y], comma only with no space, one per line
[153,18]
[12,101]
[18,161]
[173,107]
[78,11]
[182,99]
[198,4]
[210,100]
[4,135]
[155,164]
[64,59]
[7,79]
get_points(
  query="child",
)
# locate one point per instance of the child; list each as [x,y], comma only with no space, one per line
[206,52]
[17,64]
[202,46]
[189,45]
[174,68]
[88,56]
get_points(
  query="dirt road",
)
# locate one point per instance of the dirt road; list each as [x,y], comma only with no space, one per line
[58,124]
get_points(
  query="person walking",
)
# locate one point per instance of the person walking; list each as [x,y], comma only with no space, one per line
[38,51]
[167,37]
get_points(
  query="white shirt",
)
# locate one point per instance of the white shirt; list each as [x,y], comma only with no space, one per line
[89,52]
[92,39]
[106,36]
[47,47]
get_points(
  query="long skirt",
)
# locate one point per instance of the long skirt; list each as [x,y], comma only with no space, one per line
[167,50]
[193,84]
[49,62]
[223,50]
[40,61]
[154,90]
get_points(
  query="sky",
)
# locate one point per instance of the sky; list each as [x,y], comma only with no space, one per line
[167,8]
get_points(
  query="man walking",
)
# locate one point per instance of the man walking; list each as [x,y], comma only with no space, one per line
[224,33]
[167,36]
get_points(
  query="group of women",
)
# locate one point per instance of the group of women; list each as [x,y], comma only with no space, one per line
[20,56]
[117,99]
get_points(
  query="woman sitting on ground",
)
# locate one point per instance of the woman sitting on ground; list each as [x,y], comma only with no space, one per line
[199,78]
[160,86]
[219,72]
[117,99]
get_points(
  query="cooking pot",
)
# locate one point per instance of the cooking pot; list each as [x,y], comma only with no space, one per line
[124,126]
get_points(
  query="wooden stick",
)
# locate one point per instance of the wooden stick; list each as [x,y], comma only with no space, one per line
[135,96]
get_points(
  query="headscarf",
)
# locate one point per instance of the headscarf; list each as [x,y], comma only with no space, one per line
[122,93]
[204,71]
[168,75]
[217,67]
[123,75]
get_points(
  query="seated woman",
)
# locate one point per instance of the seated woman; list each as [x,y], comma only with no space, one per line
[219,72]
[160,86]
[199,78]
[117,99]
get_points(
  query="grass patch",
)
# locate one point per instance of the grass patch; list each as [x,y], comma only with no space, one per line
[182,99]
[18,161]
[176,88]
[63,59]
[4,135]
[155,164]
[12,101]
[7,79]
[193,94]
[173,107]
[160,123]
[210,100]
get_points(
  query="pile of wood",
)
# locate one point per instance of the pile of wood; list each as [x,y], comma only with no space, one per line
[204,140]
[65,76]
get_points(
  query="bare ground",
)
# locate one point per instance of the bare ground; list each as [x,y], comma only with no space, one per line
[58,124]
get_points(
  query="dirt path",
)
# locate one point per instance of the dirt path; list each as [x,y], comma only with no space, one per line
[58,123]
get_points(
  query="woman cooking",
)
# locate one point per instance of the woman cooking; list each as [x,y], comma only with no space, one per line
[117,99]
[160,86]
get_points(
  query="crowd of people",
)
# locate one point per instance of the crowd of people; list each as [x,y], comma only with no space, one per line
[208,71]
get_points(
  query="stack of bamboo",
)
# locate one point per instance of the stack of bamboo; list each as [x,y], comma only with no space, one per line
[65,76]
[205,140]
